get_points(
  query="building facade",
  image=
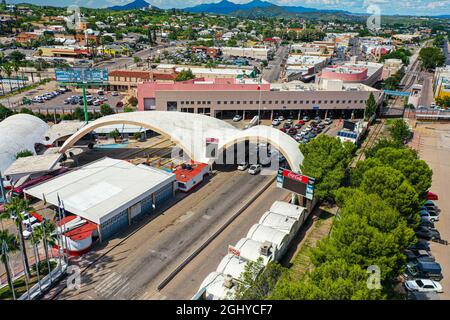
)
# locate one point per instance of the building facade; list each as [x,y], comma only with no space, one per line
[224,97]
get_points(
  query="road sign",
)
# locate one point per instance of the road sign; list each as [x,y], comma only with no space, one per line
[316,107]
[234,251]
[297,183]
[81,75]
[397,93]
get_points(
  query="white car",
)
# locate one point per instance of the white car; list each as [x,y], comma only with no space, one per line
[237,118]
[115,94]
[242,166]
[423,285]
[280,118]
[27,233]
[254,169]
[276,122]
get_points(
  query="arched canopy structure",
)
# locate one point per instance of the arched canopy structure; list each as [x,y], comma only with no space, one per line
[17,133]
[191,132]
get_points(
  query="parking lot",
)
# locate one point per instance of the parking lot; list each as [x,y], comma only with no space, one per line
[433,144]
[57,103]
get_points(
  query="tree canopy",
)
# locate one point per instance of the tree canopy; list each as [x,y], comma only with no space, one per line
[326,160]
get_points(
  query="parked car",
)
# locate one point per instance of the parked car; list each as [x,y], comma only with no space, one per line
[429,204]
[292,131]
[27,232]
[237,118]
[100,92]
[301,122]
[427,233]
[289,121]
[424,269]
[423,285]
[283,130]
[254,169]
[306,118]
[317,119]
[115,94]
[432,196]
[420,245]
[242,166]
[286,126]
[419,255]
[280,118]
[431,216]
[297,126]
[276,122]
[328,121]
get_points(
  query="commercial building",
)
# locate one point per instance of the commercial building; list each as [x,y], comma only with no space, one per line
[391,67]
[224,97]
[442,82]
[219,72]
[190,175]
[110,193]
[64,51]
[253,53]
[209,51]
[128,79]
[316,62]
[367,73]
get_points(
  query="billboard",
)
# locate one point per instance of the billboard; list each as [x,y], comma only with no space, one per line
[296,183]
[212,146]
[81,75]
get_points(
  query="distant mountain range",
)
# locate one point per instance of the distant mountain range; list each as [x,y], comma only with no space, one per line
[253,8]
[228,7]
[136,4]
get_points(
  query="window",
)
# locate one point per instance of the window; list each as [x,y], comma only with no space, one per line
[238,102]
[264,102]
[200,110]
[225,102]
[361,101]
[182,102]
[276,101]
[219,102]
[314,102]
[207,110]
[282,101]
[203,102]
[172,106]
[270,101]
[289,101]
[332,101]
[245,102]
[337,101]
[231,102]
[307,101]
[295,101]
[251,101]
[320,101]
[301,101]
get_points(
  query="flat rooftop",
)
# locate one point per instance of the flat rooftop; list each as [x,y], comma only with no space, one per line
[101,189]
[32,164]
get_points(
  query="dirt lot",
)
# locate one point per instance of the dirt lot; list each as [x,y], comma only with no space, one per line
[433,143]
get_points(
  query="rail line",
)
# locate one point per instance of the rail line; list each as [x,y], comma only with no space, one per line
[369,142]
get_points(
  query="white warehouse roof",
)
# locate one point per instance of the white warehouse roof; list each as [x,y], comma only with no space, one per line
[215,289]
[103,188]
[19,132]
[232,265]
[279,222]
[288,209]
[262,233]
[250,250]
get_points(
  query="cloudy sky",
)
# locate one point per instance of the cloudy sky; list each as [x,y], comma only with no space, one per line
[409,7]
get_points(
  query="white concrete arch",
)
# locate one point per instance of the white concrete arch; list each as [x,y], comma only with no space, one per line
[190,131]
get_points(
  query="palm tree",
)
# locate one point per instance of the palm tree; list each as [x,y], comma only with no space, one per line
[16,208]
[16,68]
[7,69]
[47,233]
[8,244]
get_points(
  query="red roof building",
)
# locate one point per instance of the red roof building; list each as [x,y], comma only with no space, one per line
[190,174]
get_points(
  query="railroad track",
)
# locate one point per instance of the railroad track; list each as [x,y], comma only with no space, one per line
[369,142]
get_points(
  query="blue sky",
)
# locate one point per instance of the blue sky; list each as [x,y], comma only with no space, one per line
[409,7]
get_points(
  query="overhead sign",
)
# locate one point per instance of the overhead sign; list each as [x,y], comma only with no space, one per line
[397,93]
[297,183]
[81,75]
[234,251]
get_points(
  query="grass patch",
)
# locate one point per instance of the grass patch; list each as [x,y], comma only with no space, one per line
[19,284]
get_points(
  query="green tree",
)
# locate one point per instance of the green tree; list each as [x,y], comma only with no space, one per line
[5,112]
[105,109]
[8,245]
[16,209]
[114,134]
[399,130]
[326,159]
[46,233]
[393,187]
[185,75]
[256,282]
[23,154]
[371,107]
[27,111]
[368,232]
[431,57]
[382,143]
[333,280]
[78,113]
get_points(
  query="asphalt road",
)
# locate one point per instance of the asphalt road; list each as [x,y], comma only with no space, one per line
[187,282]
[134,269]
[273,74]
